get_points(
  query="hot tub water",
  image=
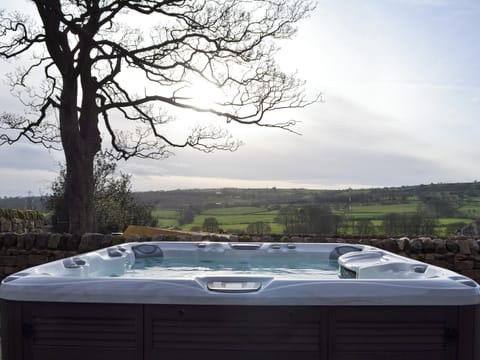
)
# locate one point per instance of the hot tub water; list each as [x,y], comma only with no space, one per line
[157,267]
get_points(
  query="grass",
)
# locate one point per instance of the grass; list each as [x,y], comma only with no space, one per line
[448,221]
[165,214]
[166,218]
[239,217]
[378,211]
[239,210]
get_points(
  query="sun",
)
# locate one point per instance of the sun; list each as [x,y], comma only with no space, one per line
[203,94]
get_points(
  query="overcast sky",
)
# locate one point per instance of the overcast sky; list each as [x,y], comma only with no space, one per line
[401,85]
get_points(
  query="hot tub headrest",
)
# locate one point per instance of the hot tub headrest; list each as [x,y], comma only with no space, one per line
[147,250]
[340,250]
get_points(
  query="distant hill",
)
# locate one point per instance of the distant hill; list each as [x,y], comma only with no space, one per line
[458,194]
[435,209]
[229,197]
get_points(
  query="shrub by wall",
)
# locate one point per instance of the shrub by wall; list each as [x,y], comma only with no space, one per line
[20,251]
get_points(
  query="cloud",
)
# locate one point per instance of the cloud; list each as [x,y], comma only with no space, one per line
[190,182]
[27,167]
[402,105]
[19,182]
[22,155]
[434,3]
[342,143]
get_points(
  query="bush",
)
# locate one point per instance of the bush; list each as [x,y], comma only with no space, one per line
[259,227]
[210,225]
[30,215]
[115,205]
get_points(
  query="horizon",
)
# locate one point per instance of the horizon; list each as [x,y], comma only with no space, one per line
[31,195]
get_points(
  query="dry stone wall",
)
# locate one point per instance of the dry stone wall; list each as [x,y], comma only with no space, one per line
[20,251]
[19,225]
[20,221]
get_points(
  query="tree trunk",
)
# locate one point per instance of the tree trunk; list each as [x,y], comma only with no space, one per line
[80,144]
[79,193]
[78,122]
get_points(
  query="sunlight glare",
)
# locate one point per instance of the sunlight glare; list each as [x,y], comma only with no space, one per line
[203,94]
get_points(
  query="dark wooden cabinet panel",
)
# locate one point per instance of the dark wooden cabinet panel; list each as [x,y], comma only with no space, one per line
[51,331]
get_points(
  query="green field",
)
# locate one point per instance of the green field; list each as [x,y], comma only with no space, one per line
[454,205]
[230,219]
[373,212]
[166,218]
[238,218]
[472,207]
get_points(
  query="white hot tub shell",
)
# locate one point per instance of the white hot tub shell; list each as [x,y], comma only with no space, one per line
[330,301]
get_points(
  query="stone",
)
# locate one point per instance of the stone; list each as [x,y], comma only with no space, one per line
[18,225]
[63,243]
[72,242]
[452,246]
[364,241]
[447,257]
[419,257]
[463,265]
[35,259]
[375,242]
[428,245]
[22,261]
[463,257]
[29,240]
[58,255]
[41,241]
[293,239]
[390,245]
[474,247]
[416,246]
[8,261]
[429,257]
[441,263]
[464,247]
[5,225]
[117,240]
[198,238]
[401,243]
[54,241]
[10,240]
[107,240]
[440,246]
[90,241]
[472,274]
[21,241]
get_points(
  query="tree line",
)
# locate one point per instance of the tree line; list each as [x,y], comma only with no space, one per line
[321,220]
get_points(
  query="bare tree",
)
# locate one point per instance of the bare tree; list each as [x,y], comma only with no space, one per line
[78,84]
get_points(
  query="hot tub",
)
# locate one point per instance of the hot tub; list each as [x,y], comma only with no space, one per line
[180,300]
